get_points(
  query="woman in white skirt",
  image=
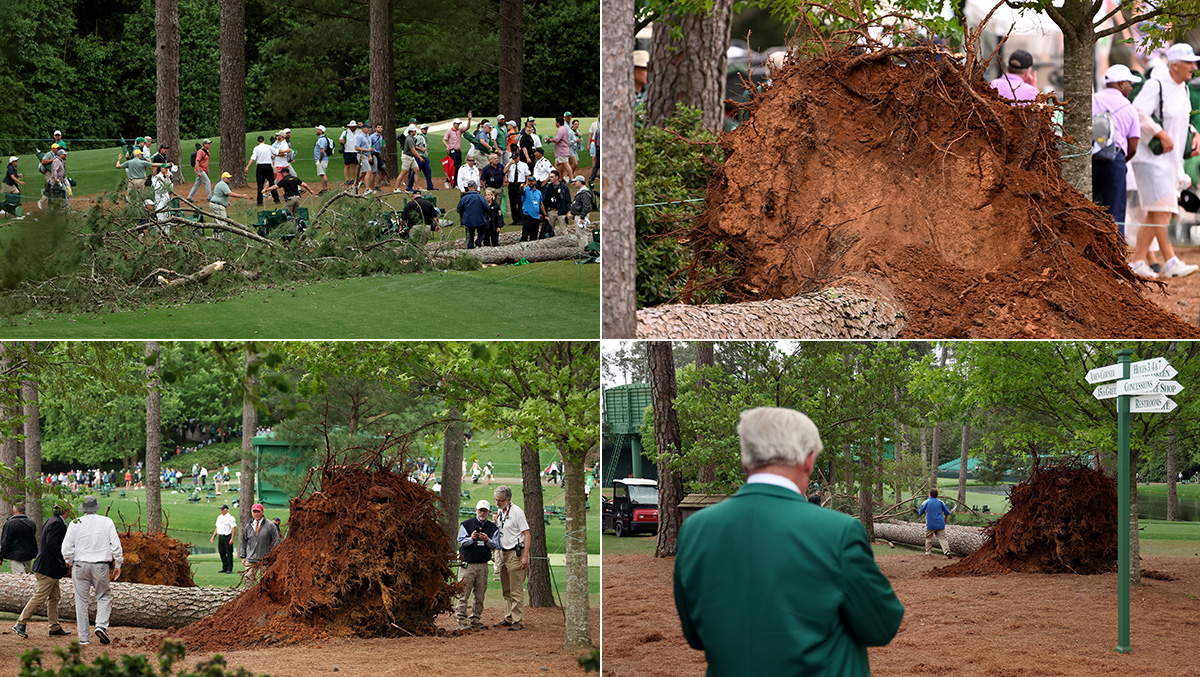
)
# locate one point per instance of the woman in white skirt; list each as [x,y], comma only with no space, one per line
[1164,95]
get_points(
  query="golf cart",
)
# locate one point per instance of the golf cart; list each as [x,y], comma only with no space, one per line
[633,508]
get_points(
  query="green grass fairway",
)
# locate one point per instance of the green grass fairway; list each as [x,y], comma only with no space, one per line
[542,300]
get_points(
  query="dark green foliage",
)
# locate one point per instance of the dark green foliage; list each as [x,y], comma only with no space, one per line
[668,169]
[88,68]
[170,653]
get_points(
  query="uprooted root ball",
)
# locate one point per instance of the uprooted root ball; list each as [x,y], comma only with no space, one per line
[365,557]
[155,559]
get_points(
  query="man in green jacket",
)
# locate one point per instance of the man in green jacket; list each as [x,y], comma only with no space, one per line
[767,583]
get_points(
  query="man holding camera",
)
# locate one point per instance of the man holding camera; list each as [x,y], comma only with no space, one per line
[476,540]
[514,557]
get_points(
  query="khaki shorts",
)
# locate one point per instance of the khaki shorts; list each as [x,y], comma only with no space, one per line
[217,209]
[321,165]
[407,162]
[560,160]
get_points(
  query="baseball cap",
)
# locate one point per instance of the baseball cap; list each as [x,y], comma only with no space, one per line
[499,116]
[512,123]
[411,128]
[457,121]
[224,506]
[57,133]
[257,506]
[425,125]
[320,127]
[1020,59]
[412,121]
[54,146]
[567,114]
[13,158]
[641,58]
[580,179]
[486,124]
[352,124]
[62,151]
[279,133]
[139,140]
[1120,73]
[226,175]
[530,119]
[472,184]
[286,130]
[206,141]
[1181,52]
[137,151]
[483,505]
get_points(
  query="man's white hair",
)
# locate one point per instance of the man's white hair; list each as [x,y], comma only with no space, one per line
[772,435]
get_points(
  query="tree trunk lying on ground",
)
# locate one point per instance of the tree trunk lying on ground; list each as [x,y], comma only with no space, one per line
[134,604]
[963,540]
[557,248]
[859,308]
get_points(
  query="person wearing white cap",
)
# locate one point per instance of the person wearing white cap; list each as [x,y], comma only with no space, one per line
[1108,160]
[409,160]
[421,147]
[349,157]
[641,63]
[322,151]
[366,167]
[453,140]
[11,177]
[280,150]
[1157,172]
[477,538]
[581,205]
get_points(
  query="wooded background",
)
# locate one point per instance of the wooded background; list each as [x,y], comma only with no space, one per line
[89,68]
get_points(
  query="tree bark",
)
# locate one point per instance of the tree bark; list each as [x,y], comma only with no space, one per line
[1172,492]
[166,57]
[705,358]
[512,57]
[866,502]
[153,441]
[577,613]
[558,248]
[687,64]
[962,462]
[935,454]
[233,91]
[249,428]
[619,253]
[1079,40]
[666,439]
[10,414]
[848,455]
[452,458]
[540,593]
[133,604]
[963,540]
[841,312]
[383,81]
[33,444]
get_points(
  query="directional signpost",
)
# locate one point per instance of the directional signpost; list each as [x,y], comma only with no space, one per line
[1143,388]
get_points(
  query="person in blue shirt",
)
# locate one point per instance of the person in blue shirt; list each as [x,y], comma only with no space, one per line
[532,210]
[935,513]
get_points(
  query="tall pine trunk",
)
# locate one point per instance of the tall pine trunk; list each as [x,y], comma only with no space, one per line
[705,358]
[666,438]
[540,593]
[452,456]
[383,81]
[618,243]
[962,462]
[10,413]
[1079,39]
[166,57]
[33,443]
[233,91]
[687,64]
[512,57]
[249,428]
[153,440]
[576,610]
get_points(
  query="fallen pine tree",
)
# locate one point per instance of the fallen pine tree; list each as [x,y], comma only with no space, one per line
[133,604]
[963,540]
[558,248]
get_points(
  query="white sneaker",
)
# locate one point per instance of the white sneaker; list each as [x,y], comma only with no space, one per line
[1142,270]
[1177,268]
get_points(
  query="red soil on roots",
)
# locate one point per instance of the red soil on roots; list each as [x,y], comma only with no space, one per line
[155,559]
[1062,520]
[919,174]
[364,557]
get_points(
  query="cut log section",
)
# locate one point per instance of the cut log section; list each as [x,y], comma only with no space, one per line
[133,604]
[853,308]
[963,540]
[558,248]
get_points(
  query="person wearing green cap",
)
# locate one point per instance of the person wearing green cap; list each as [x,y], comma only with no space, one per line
[135,170]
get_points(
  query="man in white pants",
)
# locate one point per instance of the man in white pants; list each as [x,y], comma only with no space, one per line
[92,549]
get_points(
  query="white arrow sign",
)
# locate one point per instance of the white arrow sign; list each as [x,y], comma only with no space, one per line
[1151,404]
[1168,388]
[1106,391]
[1148,367]
[1137,386]
[1169,372]
[1101,374]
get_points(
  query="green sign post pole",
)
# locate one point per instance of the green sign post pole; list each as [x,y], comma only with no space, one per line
[1123,510]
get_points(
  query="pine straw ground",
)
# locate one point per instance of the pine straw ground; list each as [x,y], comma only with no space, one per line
[901,165]
[364,557]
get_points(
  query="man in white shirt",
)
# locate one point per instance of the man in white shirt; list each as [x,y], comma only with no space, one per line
[541,167]
[282,150]
[226,525]
[262,157]
[468,173]
[515,174]
[92,548]
[514,557]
